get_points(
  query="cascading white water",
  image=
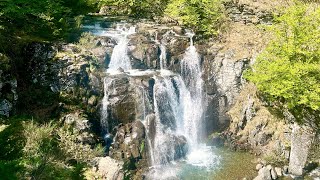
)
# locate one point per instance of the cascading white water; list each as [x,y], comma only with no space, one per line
[191,74]
[163,56]
[177,100]
[119,57]
[108,89]
[179,111]
[166,108]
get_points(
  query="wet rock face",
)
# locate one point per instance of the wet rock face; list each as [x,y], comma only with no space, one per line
[181,147]
[128,98]
[129,142]
[144,46]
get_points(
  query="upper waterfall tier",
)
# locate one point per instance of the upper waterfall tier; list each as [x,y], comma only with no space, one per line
[120,58]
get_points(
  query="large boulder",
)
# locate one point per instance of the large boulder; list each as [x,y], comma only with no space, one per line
[79,122]
[129,142]
[127,97]
[301,140]
[264,174]
[106,168]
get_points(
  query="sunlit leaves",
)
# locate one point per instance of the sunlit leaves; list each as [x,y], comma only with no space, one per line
[43,19]
[288,71]
[204,16]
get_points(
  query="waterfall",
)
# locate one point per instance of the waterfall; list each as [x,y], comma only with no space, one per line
[163,56]
[119,57]
[167,145]
[171,110]
[108,89]
[191,74]
[178,102]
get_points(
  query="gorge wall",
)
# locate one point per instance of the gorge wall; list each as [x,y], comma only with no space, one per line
[75,74]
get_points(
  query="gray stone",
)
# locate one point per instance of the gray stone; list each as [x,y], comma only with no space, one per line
[301,140]
[128,141]
[109,168]
[263,174]
[80,124]
[259,166]
[315,173]
[278,171]
[273,173]
[5,107]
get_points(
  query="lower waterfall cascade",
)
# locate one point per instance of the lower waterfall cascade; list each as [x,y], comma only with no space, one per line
[178,107]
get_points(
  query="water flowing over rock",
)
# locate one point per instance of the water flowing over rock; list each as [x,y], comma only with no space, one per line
[169,105]
[120,58]
[192,76]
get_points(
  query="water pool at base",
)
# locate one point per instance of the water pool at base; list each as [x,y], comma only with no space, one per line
[208,163]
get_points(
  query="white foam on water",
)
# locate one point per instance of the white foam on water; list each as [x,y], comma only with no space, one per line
[203,156]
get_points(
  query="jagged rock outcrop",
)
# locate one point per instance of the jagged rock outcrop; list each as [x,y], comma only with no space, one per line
[129,142]
[8,87]
[253,127]
[246,13]
[223,81]
[124,92]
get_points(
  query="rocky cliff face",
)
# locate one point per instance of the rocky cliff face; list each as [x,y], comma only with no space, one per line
[75,74]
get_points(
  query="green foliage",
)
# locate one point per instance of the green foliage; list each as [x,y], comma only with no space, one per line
[12,141]
[45,19]
[288,71]
[86,41]
[9,169]
[73,150]
[30,150]
[128,166]
[203,16]
[138,8]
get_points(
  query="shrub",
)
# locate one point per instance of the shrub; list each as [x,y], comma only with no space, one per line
[203,16]
[51,152]
[287,72]
[138,8]
[75,150]
[86,41]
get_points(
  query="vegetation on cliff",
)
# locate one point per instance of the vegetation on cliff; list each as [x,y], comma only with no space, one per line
[287,72]
[47,151]
[44,20]
[203,16]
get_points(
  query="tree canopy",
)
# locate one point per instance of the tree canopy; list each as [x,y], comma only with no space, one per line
[288,71]
[45,19]
[203,16]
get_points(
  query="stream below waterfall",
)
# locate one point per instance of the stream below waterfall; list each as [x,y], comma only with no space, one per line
[174,137]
